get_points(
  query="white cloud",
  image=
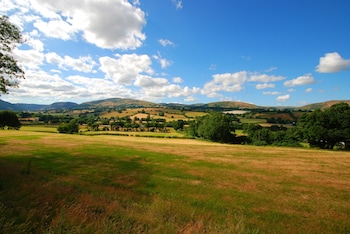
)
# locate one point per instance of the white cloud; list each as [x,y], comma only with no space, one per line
[147,82]
[126,67]
[99,88]
[166,42]
[231,78]
[301,80]
[30,59]
[271,93]
[255,77]
[56,29]
[110,24]
[332,62]
[82,64]
[136,2]
[212,67]
[283,98]
[164,63]
[177,3]
[228,82]
[264,86]
[53,88]
[308,90]
[44,86]
[190,99]
[171,91]
[271,69]
[177,80]
[35,44]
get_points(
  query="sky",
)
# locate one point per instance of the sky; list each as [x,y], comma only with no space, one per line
[268,53]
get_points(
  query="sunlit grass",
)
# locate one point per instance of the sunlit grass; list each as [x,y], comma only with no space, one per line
[257,121]
[56,183]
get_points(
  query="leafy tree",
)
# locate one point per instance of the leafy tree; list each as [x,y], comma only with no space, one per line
[325,129]
[10,72]
[178,125]
[274,135]
[9,119]
[71,127]
[216,127]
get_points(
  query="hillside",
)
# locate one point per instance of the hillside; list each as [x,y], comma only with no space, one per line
[232,104]
[323,105]
[36,107]
[117,103]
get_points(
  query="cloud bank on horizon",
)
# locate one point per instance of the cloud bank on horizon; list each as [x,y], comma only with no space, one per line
[181,51]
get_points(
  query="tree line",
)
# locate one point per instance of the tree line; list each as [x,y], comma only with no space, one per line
[324,129]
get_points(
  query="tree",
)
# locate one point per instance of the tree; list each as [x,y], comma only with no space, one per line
[71,127]
[325,129]
[10,72]
[9,119]
[179,124]
[216,127]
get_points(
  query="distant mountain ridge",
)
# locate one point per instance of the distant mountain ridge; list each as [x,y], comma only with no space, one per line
[36,107]
[133,103]
[117,102]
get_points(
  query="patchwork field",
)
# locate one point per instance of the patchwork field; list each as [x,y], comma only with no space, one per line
[55,183]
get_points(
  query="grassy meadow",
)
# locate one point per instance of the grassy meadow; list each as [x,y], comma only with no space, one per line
[56,183]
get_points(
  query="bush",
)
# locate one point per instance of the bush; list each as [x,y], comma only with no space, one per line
[69,128]
[9,119]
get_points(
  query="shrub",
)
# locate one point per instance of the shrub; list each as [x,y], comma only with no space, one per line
[69,128]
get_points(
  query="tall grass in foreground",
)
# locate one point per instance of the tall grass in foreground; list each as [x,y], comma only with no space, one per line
[53,183]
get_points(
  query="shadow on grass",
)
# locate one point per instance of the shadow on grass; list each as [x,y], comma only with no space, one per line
[56,191]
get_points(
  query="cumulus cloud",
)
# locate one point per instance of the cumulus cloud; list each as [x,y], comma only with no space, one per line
[177,80]
[264,86]
[164,63]
[233,82]
[147,81]
[126,68]
[283,98]
[110,24]
[228,82]
[30,59]
[45,86]
[171,91]
[82,64]
[166,42]
[332,62]
[56,29]
[301,80]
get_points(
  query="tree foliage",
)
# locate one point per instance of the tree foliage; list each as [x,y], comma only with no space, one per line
[10,72]
[9,119]
[273,135]
[326,128]
[214,127]
[71,127]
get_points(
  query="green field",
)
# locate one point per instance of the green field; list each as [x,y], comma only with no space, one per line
[56,183]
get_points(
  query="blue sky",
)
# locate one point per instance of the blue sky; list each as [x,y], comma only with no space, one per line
[269,53]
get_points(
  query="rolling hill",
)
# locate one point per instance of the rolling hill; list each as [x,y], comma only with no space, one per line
[36,107]
[323,105]
[115,103]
